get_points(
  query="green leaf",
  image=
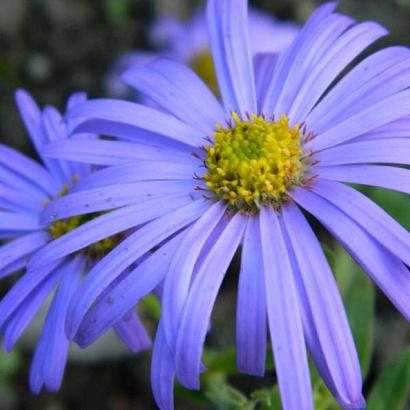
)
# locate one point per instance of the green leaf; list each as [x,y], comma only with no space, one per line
[226,397]
[262,397]
[152,306]
[393,387]
[359,299]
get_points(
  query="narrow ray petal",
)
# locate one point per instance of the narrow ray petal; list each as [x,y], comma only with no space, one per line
[285,323]
[397,179]
[200,301]
[125,254]
[251,332]
[229,39]
[325,306]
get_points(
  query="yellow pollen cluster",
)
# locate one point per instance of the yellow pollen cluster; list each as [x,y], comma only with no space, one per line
[96,250]
[254,162]
[203,65]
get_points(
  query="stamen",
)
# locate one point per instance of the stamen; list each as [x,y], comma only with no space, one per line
[255,162]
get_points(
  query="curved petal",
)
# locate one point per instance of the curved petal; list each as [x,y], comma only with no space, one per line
[13,223]
[318,47]
[391,150]
[285,323]
[138,171]
[180,271]
[18,200]
[394,178]
[139,117]
[200,301]
[382,112]
[21,247]
[162,372]
[178,90]
[111,197]
[282,78]
[387,271]
[251,331]
[126,294]
[354,84]
[373,219]
[18,311]
[229,39]
[264,65]
[28,170]
[105,226]
[51,353]
[132,332]
[98,152]
[321,298]
[339,55]
[125,254]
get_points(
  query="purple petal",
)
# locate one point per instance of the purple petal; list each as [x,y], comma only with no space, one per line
[200,301]
[285,323]
[318,46]
[56,129]
[322,301]
[113,196]
[380,113]
[126,294]
[105,226]
[28,170]
[138,171]
[281,80]
[264,65]
[178,90]
[140,117]
[386,270]
[16,223]
[396,129]
[21,247]
[11,180]
[113,152]
[373,219]
[337,57]
[394,178]
[251,306]
[125,254]
[133,333]
[229,38]
[18,311]
[162,371]
[354,86]
[391,150]
[180,271]
[51,353]
[18,200]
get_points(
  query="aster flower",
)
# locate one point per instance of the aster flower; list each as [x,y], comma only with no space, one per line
[26,189]
[187,42]
[286,138]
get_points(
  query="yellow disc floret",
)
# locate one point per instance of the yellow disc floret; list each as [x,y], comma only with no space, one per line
[254,162]
[96,250]
[203,65]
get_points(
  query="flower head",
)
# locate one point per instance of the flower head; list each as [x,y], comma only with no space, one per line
[290,131]
[27,188]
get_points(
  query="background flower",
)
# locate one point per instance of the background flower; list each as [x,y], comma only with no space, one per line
[26,190]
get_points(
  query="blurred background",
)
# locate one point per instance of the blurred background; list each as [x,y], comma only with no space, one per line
[55,47]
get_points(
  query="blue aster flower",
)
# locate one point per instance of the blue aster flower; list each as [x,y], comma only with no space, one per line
[187,42]
[289,134]
[26,189]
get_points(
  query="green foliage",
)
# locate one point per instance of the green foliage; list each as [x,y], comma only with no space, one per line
[393,386]
[117,10]
[359,298]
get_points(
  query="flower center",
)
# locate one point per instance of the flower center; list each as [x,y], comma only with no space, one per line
[203,65]
[96,250]
[255,162]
